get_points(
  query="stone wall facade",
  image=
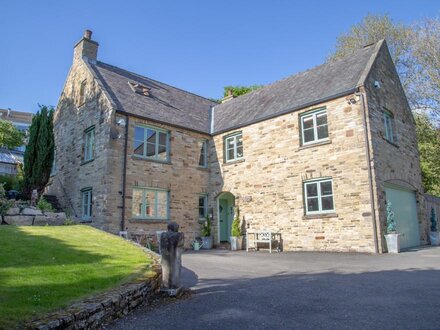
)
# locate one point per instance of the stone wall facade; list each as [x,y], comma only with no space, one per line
[268,183]
[71,172]
[396,162]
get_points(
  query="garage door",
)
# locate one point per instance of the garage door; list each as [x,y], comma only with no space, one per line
[405,213]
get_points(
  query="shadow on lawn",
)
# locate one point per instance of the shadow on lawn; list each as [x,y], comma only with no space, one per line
[395,299]
[27,250]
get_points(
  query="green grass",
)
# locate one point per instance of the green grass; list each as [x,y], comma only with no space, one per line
[46,268]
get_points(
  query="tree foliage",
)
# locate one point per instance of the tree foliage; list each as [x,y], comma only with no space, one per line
[428,137]
[240,90]
[415,51]
[10,136]
[38,157]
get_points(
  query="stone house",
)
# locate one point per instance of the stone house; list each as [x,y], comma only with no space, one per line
[314,156]
[11,158]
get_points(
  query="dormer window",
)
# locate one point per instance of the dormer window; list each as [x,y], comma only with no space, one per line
[139,88]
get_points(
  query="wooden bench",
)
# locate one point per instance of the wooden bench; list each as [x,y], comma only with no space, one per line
[266,237]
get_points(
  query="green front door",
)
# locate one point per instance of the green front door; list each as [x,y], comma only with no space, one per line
[404,205]
[224,220]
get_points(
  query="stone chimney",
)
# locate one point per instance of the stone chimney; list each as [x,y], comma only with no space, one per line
[86,47]
[228,97]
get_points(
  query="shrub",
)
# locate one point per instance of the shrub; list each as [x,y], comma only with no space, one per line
[391,224]
[236,230]
[206,229]
[5,204]
[10,182]
[44,205]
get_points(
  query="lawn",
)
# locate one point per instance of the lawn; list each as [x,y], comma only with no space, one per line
[46,268]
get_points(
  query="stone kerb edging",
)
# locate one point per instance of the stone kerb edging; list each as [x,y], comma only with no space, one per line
[31,216]
[95,311]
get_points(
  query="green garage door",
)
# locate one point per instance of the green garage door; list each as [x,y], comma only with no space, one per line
[405,213]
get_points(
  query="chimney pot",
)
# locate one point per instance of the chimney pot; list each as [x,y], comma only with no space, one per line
[88,34]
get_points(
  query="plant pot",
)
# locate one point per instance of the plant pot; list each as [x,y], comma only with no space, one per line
[207,243]
[393,243]
[236,243]
[434,237]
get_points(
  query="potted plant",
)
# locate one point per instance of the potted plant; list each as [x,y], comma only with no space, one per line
[392,237]
[434,234]
[236,237]
[206,234]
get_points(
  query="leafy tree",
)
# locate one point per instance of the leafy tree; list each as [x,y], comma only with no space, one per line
[414,50]
[240,90]
[10,136]
[428,137]
[38,157]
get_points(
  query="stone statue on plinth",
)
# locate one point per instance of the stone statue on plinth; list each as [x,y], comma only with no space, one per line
[171,247]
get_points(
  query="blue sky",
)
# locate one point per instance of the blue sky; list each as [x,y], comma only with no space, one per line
[199,46]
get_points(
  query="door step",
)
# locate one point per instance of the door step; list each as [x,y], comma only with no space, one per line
[223,246]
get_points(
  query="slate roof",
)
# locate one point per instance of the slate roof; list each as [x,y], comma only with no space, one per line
[164,104]
[177,107]
[304,89]
[7,157]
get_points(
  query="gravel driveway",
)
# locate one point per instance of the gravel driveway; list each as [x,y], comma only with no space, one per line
[301,290]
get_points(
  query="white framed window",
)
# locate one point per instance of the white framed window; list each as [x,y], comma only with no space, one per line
[314,127]
[203,158]
[86,201]
[203,206]
[150,203]
[151,142]
[388,120]
[89,143]
[318,196]
[234,147]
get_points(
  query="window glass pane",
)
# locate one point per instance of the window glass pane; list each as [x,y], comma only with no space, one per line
[151,135]
[151,150]
[239,139]
[162,152]
[312,204]
[138,147]
[326,188]
[312,189]
[307,122]
[230,143]
[309,135]
[202,206]
[203,153]
[321,119]
[139,133]
[150,203]
[137,203]
[240,152]
[162,204]
[327,203]
[163,138]
[322,132]
[230,154]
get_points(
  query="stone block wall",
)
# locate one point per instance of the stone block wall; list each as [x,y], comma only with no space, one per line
[72,173]
[96,311]
[396,162]
[182,177]
[268,183]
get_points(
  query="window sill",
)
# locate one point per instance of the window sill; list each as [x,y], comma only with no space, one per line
[392,143]
[234,161]
[147,220]
[317,144]
[320,215]
[135,157]
[87,161]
